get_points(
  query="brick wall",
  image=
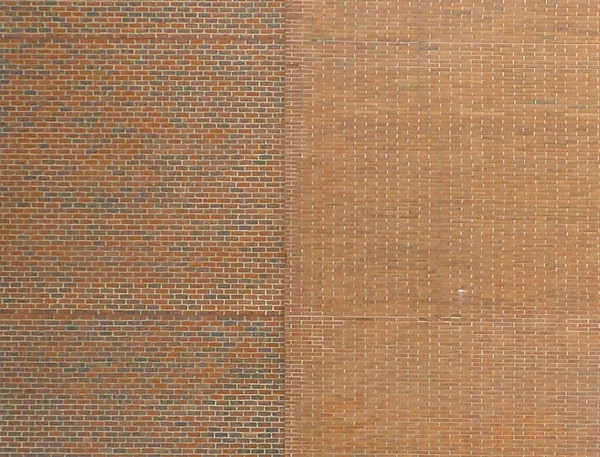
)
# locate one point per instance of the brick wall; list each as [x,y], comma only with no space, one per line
[141,203]
[438,203]
[444,228]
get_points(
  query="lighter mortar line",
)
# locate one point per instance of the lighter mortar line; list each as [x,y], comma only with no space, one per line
[503,321]
[469,43]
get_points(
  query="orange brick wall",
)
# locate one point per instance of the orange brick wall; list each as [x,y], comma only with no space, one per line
[414,184]
[443,236]
[141,241]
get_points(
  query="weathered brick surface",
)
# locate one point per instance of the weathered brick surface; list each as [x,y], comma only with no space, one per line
[444,228]
[142,239]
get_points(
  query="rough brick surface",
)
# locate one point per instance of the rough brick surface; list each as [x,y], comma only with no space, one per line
[443,239]
[142,239]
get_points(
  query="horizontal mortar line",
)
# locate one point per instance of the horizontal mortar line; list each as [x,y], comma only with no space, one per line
[142,38]
[446,318]
[507,43]
[330,316]
[83,314]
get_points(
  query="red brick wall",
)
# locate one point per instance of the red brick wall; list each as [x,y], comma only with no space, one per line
[141,173]
[444,228]
[438,203]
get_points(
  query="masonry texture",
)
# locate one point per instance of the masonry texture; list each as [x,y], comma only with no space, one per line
[443,239]
[396,201]
[142,239]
